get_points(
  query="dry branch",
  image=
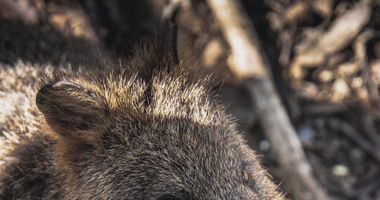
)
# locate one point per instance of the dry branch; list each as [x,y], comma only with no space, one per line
[339,35]
[248,63]
[356,137]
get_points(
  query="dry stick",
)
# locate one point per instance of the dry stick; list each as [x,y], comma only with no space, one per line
[355,136]
[248,62]
[341,32]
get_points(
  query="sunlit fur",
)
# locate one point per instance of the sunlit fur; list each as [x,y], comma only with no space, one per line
[138,129]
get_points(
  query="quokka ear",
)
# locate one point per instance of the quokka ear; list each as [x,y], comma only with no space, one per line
[171,28]
[70,109]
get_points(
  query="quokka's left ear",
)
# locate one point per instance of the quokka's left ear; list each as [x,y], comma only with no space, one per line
[170,29]
[70,109]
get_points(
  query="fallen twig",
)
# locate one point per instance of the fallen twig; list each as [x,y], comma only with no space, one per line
[339,35]
[323,109]
[369,127]
[248,63]
[364,192]
[356,137]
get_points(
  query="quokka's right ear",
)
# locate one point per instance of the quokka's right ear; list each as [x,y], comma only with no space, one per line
[70,109]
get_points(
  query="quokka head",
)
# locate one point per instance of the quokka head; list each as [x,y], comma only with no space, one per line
[121,135]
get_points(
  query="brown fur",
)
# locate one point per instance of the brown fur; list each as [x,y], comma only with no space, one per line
[143,129]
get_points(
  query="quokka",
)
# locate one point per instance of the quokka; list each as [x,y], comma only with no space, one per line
[147,128]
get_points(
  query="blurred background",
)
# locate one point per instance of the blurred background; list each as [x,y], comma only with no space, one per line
[324,56]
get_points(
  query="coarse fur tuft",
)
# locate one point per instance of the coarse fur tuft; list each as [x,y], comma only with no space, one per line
[144,128]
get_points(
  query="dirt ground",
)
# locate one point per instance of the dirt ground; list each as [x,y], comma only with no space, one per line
[324,54]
